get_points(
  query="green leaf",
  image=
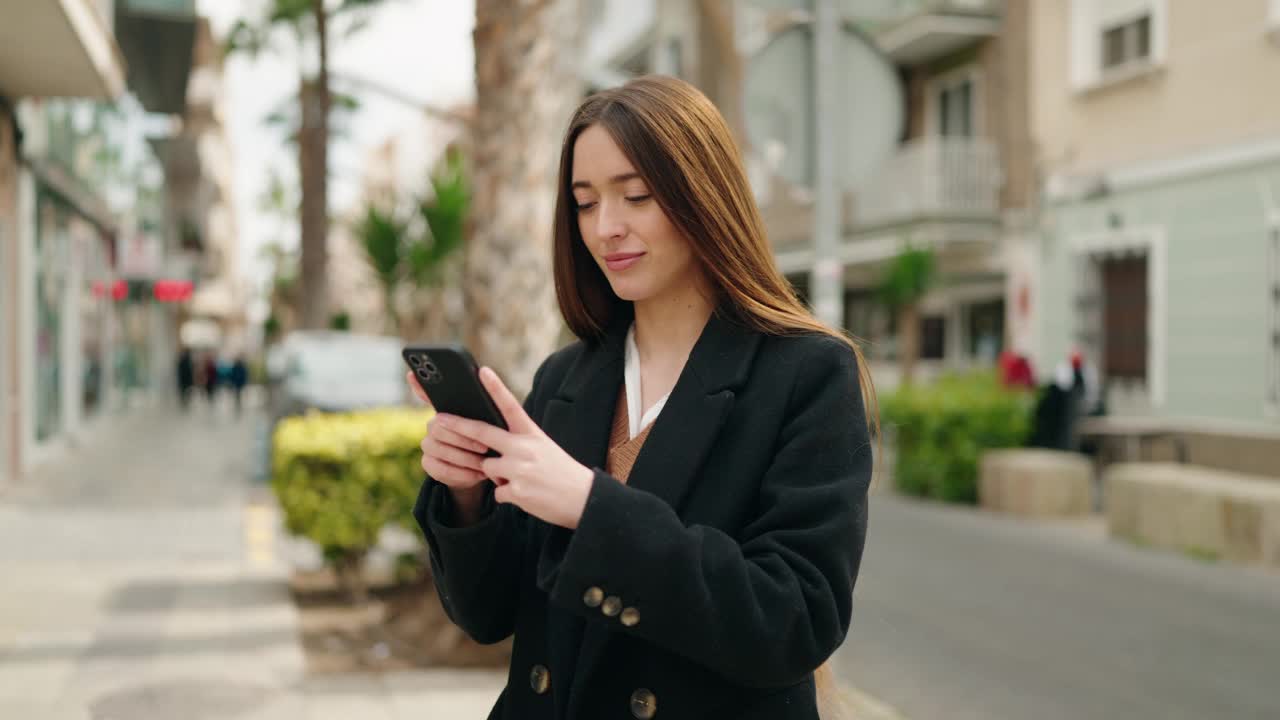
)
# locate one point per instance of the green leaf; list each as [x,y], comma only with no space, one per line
[907,278]
[445,215]
[245,38]
[290,11]
[381,237]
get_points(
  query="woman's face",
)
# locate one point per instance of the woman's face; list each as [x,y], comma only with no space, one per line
[640,250]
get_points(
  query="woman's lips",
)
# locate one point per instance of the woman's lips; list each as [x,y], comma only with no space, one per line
[622,261]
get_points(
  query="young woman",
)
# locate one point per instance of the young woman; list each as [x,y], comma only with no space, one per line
[675,522]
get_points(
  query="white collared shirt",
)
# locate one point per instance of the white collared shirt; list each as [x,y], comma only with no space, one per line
[638,420]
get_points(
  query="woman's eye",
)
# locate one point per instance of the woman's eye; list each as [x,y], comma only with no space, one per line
[638,198]
[583,207]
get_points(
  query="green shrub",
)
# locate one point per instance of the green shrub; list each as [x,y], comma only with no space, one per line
[342,478]
[942,429]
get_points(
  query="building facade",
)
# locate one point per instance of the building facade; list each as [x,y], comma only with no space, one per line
[54,49]
[1158,132]
[80,337]
[959,180]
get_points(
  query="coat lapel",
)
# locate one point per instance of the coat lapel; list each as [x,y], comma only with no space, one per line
[671,456]
[697,408]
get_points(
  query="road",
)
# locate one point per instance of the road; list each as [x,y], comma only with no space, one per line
[960,614]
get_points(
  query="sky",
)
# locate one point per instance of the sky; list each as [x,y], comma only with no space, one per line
[421,48]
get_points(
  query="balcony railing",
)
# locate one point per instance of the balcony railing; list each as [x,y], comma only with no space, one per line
[944,178]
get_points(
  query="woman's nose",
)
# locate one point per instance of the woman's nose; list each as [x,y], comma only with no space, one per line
[609,222]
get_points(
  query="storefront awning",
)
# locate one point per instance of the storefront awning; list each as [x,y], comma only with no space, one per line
[59,48]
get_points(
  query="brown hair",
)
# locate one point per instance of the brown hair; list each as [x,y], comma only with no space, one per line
[683,149]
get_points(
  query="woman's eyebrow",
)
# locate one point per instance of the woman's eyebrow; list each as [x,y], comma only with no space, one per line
[620,178]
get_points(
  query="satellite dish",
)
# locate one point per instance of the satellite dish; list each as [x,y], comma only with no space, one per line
[779,104]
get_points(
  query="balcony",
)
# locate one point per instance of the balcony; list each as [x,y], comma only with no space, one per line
[926,30]
[947,179]
[59,48]
[157,37]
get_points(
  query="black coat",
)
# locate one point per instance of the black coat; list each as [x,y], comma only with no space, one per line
[717,580]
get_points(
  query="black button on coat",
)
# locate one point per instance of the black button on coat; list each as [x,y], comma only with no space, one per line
[733,547]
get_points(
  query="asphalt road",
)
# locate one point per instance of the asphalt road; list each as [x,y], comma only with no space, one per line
[960,614]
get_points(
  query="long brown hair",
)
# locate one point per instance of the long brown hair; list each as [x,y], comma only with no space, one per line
[683,149]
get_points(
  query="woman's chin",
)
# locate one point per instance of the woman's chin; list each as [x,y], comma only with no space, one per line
[630,292]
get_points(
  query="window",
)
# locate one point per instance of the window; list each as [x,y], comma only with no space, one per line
[1126,43]
[955,106]
[986,331]
[1124,318]
[933,337]
[1112,40]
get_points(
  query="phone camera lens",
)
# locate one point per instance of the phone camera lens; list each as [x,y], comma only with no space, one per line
[430,366]
[425,375]
[415,360]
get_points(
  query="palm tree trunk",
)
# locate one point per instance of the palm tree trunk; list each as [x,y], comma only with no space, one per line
[908,340]
[313,163]
[526,87]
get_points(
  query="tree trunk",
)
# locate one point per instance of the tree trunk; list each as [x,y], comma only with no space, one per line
[313,163]
[526,87]
[350,571]
[908,340]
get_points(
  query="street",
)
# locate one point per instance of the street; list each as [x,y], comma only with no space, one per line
[960,614]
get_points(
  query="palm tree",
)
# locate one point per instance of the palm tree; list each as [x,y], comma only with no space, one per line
[311,22]
[404,254]
[526,87]
[904,283]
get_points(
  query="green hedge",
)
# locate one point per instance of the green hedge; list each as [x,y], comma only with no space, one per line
[341,478]
[942,429]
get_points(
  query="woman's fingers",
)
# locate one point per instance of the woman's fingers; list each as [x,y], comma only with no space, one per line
[449,474]
[452,455]
[450,437]
[416,388]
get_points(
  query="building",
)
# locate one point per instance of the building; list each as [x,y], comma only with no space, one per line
[54,237]
[959,179]
[199,202]
[1158,134]
[83,245]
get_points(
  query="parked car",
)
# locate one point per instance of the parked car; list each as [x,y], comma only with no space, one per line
[330,371]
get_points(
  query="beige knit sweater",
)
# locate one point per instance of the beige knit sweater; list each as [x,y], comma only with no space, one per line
[623,450]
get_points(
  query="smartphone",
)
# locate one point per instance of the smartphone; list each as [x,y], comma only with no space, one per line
[451,379]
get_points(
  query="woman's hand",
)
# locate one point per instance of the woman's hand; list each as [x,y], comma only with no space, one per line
[534,473]
[449,458]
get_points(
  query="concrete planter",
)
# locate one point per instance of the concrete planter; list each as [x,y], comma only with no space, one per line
[1035,483]
[1209,513]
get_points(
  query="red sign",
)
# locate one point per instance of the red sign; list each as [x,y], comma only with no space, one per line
[119,290]
[173,290]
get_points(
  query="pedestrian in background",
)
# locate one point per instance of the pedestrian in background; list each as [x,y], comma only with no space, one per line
[210,377]
[238,377]
[186,377]
[711,573]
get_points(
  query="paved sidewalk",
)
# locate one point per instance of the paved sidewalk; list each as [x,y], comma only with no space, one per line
[143,583]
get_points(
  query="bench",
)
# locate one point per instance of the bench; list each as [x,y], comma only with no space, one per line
[1035,482]
[1201,511]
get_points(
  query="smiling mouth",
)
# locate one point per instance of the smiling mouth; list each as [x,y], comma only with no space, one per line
[622,261]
